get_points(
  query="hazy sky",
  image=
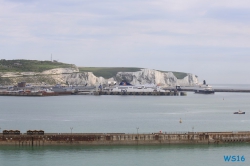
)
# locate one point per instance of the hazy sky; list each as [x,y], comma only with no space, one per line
[209,38]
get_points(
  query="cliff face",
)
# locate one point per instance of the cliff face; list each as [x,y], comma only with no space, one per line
[73,76]
[145,76]
[149,76]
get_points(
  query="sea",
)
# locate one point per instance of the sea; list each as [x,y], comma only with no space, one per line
[127,114]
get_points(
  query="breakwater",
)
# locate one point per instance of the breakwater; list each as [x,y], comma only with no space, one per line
[190,89]
[167,93]
[14,93]
[232,90]
[125,139]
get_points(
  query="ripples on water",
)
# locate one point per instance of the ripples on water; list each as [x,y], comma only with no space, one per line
[123,114]
[188,155]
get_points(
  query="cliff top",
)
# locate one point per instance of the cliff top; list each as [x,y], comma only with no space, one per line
[21,65]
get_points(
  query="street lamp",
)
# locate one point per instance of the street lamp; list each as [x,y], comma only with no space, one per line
[137,129]
[137,132]
[71,128]
[193,131]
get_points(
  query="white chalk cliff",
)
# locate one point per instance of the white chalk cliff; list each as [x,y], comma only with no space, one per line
[74,77]
[145,76]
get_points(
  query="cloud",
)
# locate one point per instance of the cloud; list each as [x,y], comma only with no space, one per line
[144,30]
[95,18]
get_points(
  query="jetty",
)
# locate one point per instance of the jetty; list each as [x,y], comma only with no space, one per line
[16,93]
[160,138]
[30,93]
[167,93]
[191,89]
[233,90]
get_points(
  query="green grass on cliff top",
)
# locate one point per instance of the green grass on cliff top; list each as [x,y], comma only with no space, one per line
[178,75]
[40,66]
[30,65]
[108,72]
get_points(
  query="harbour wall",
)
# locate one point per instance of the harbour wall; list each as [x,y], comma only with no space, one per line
[125,139]
[20,94]
[189,89]
[168,93]
[233,90]
[172,93]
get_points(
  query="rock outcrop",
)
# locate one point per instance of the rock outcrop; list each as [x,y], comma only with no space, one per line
[74,77]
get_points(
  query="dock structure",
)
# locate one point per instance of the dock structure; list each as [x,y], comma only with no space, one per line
[190,89]
[125,139]
[14,93]
[167,93]
[233,90]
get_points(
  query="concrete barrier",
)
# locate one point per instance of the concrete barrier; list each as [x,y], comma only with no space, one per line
[124,139]
[140,93]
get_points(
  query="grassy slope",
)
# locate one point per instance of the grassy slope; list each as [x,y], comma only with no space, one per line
[107,72]
[30,65]
[40,66]
[179,75]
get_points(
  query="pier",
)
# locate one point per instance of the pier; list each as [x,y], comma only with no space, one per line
[233,90]
[167,93]
[14,93]
[190,89]
[125,139]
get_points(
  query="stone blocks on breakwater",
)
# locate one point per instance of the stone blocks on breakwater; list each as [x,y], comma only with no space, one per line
[125,139]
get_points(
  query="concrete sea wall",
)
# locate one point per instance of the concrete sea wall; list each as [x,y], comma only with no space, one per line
[125,139]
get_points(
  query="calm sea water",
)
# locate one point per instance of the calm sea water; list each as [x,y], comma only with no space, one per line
[173,155]
[124,114]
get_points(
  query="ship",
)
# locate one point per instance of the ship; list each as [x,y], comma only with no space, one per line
[204,89]
[239,112]
[48,92]
[127,87]
[60,90]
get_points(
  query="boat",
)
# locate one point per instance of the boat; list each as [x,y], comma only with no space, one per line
[48,92]
[204,89]
[239,112]
[127,87]
[60,90]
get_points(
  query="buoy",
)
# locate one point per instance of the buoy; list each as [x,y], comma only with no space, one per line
[180,120]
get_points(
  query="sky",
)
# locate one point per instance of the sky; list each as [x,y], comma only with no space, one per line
[208,38]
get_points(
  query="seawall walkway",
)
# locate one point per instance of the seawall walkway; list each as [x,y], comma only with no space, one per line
[125,139]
